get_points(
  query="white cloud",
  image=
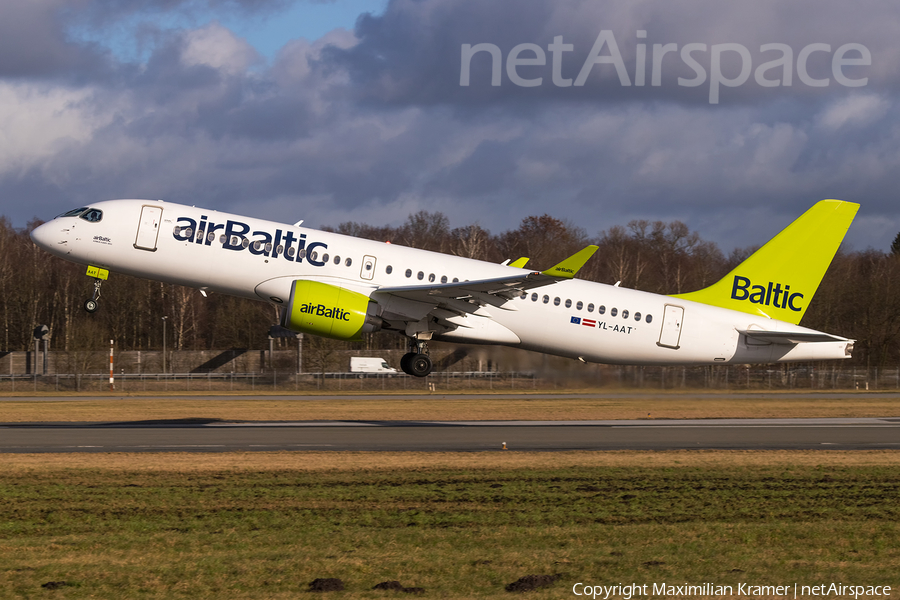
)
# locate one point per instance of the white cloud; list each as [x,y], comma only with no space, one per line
[854,111]
[217,47]
[38,120]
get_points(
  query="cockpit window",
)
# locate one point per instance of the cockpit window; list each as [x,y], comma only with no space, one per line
[74,212]
[93,215]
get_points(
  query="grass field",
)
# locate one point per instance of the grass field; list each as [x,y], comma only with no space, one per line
[437,407]
[260,525]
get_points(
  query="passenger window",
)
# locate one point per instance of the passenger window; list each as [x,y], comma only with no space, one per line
[337,260]
[568,303]
[590,308]
[443,279]
[601,309]
[420,275]
[613,312]
[579,305]
[409,272]
[637,316]
[624,314]
[556,301]
[648,319]
[431,278]
[534,297]
[389,269]
[349,262]
[546,299]
[325,257]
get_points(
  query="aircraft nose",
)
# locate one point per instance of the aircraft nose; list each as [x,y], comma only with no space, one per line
[49,237]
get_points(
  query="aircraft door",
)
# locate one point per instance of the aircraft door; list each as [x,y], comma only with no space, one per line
[671,327]
[368,267]
[148,228]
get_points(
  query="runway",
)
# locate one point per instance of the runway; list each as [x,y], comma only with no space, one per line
[451,436]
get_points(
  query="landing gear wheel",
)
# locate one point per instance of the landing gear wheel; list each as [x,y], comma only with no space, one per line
[93,303]
[421,365]
[406,361]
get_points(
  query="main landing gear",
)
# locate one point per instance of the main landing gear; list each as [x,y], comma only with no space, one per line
[416,362]
[93,303]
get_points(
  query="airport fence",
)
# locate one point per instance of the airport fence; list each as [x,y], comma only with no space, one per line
[795,377]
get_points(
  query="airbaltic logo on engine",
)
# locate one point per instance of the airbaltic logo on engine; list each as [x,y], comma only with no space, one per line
[236,235]
[773,295]
[320,310]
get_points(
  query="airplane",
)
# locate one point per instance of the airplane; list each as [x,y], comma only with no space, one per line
[341,287]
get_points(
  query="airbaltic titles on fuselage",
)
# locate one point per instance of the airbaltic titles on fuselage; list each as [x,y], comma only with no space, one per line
[237,236]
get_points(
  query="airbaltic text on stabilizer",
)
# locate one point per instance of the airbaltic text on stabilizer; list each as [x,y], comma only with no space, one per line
[796,590]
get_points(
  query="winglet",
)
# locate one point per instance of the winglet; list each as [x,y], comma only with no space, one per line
[520,262]
[567,268]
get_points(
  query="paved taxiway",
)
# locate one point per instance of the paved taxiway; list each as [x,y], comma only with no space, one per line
[472,436]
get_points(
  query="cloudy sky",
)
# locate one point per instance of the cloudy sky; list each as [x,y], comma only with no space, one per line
[733,117]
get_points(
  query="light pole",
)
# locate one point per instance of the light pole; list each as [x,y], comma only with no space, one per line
[164,344]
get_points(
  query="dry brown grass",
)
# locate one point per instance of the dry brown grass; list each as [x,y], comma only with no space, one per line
[437,407]
[187,462]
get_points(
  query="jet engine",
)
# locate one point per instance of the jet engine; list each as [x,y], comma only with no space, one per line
[329,311]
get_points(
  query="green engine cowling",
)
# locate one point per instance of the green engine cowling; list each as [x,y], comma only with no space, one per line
[329,311]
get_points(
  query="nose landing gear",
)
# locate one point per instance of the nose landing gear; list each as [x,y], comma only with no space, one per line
[93,303]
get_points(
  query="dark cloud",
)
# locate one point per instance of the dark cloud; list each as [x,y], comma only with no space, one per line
[33,43]
[414,53]
[372,125]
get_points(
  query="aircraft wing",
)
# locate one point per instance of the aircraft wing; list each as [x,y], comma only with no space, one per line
[415,302]
[791,337]
[504,288]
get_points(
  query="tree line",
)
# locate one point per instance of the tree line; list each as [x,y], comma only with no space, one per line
[859,297]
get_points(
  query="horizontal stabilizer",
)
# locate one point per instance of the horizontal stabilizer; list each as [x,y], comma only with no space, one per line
[791,337]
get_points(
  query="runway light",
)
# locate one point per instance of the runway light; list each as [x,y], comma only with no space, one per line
[504,446]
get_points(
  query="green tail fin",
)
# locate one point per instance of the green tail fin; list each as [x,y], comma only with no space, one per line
[778,280]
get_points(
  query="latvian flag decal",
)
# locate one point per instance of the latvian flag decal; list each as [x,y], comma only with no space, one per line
[585,322]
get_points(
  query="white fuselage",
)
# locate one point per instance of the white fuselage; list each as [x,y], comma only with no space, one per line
[253,258]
